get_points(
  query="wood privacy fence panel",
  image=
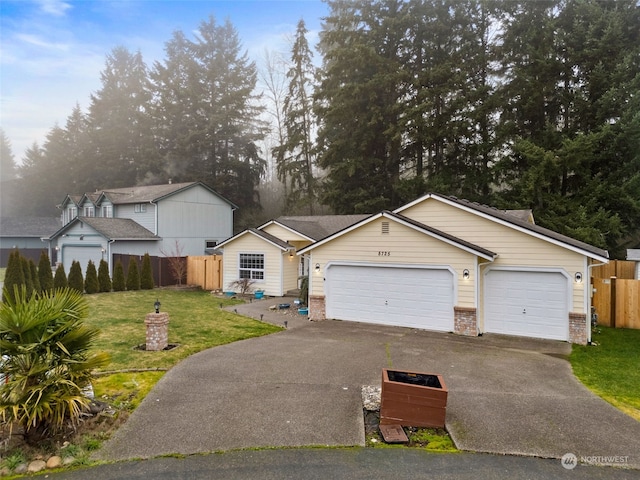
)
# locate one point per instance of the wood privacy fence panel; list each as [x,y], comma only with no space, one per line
[615,268]
[162,273]
[617,302]
[205,271]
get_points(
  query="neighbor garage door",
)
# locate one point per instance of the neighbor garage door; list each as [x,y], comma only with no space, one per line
[81,254]
[525,303]
[408,297]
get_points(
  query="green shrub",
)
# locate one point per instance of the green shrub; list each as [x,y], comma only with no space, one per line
[48,361]
[26,270]
[133,276]
[146,277]
[104,281]
[60,278]
[118,277]
[13,276]
[34,276]
[91,278]
[75,277]
[45,275]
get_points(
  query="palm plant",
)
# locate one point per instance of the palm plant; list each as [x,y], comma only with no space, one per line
[47,361]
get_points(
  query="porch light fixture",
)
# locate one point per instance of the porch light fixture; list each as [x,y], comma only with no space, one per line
[465,274]
[157,305]
[317,268]
[578,277]
[290,253]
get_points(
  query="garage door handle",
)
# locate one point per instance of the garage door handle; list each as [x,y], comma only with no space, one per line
[524,310]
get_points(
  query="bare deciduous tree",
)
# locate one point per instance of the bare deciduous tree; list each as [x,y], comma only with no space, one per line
[177,262]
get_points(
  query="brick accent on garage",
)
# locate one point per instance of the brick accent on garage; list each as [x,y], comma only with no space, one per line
[317,307]
[578,328]
[465,321]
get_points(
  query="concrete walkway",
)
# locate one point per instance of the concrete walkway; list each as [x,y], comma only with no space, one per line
[301,387]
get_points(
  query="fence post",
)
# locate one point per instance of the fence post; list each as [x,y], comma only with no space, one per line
[613,302]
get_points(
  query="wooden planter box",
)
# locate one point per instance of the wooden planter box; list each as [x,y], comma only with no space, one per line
[412,399]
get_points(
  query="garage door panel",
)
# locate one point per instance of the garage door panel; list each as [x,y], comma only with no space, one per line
[526,303]
[81,254]
[400,296]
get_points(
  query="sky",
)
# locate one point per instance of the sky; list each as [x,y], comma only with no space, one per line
[52,51]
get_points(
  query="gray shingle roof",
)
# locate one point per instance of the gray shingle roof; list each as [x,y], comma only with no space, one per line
[145,193]
[268,237]
[29,226]
[118,228]
[320,226]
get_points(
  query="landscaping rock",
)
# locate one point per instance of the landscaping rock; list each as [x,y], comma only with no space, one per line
[54,462]
[20,469]
[371,397]
[68,461]
[36,466]
[4,472]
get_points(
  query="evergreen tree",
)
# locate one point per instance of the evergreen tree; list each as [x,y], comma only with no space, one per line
[33,271]
[120,127]
[75,279]
[146,276]
[14,276]
[119,284]
[8,173]
[45,274]
[104,281]
[133,275]
[295,156]
[28,279]
[91,278]
[60,278]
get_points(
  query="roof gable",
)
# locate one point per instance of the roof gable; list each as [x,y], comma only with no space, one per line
[410,223]
[504,217]
[111,228]
[315,227]
[275,241]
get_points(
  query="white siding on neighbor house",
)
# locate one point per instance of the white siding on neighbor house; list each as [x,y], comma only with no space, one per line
[273,262]
[402,245]
[514,248]
[192,217]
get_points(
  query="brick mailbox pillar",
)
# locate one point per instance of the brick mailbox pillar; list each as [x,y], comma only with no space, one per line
[157,331]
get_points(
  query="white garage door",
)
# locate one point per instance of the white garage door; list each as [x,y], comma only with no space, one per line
[529,304]
[81,254]
[408,297]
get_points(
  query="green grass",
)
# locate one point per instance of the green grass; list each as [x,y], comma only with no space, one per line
[196,322]
[611,368]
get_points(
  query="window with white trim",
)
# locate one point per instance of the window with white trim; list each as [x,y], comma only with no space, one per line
[140,208]
[251,266]
[107,211]
[89,211]
[209,244]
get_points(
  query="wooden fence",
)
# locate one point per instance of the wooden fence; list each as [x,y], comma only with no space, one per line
[615,268]
[617,302]
[205,271]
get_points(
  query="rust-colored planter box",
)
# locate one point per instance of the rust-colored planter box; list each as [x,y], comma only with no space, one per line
[412,399]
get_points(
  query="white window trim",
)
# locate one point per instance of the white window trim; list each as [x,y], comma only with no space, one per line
[253,270]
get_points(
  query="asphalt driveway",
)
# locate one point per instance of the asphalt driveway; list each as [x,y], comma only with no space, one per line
[302,386]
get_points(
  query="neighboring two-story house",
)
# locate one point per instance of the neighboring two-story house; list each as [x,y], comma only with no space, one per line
[161,220]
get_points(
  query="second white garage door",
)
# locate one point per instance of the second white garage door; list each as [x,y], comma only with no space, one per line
[408,297]
[526,303]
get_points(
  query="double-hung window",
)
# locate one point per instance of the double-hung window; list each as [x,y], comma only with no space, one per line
[251,266]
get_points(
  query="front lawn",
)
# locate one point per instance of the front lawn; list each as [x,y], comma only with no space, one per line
[611,368]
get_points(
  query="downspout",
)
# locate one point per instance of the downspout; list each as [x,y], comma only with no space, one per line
[479,298]
[109,256]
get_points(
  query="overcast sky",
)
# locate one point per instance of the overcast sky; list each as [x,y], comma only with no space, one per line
[52,51]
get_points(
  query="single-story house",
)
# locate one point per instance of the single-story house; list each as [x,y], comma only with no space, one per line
[633,255]
[451,265]
[27,234]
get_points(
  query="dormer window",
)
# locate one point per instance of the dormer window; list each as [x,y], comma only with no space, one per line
[107,211]
[140,207]
[89,212]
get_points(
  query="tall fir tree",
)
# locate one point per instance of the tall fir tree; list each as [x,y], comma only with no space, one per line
[296,157]
[13,276]
[35,280]
[45,274]
[28,279]
[8,173]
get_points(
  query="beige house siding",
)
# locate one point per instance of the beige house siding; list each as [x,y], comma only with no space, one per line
[514,248]
[285,234]
[289,272]
[402,245]
[273,262]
